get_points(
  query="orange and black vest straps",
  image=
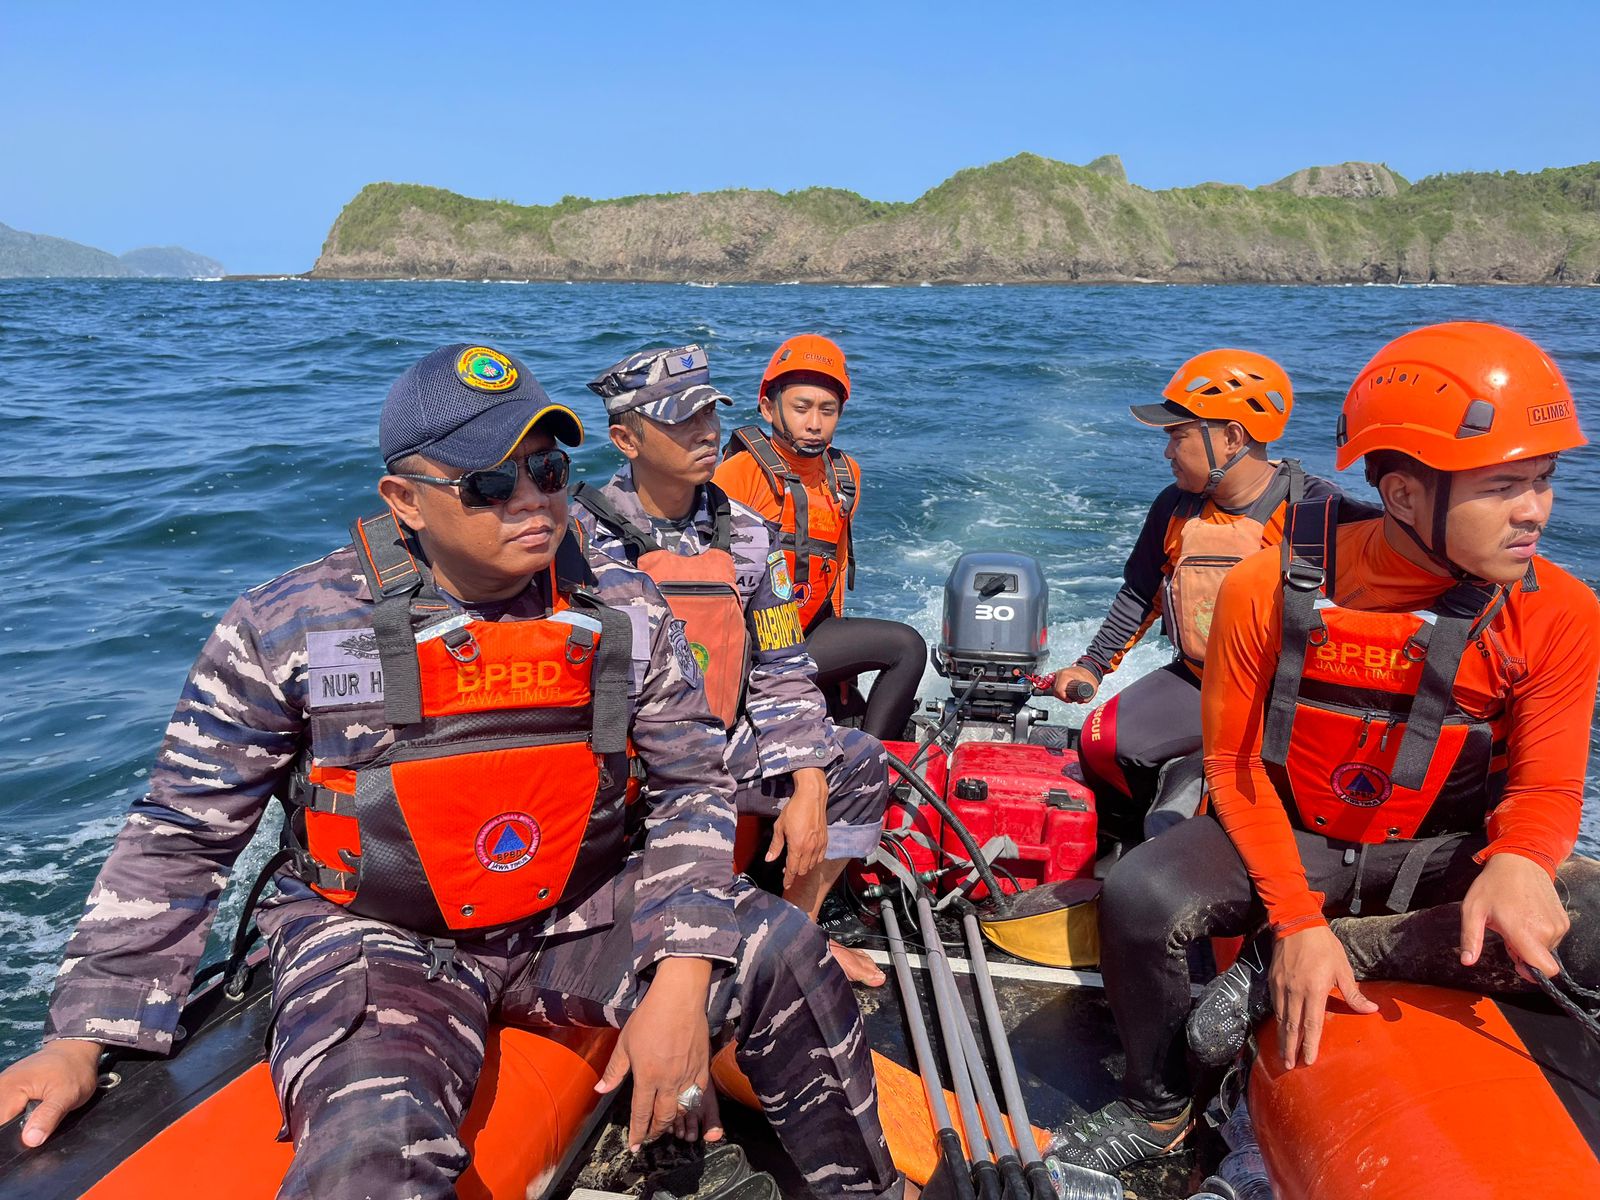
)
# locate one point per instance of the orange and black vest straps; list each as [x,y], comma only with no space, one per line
[1207,551]
[502,791]
[1363,736]
[808,554]
[702,591]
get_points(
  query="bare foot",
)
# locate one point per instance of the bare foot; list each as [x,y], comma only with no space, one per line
[857,965]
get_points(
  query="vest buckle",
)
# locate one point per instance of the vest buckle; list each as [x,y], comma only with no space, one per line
[462,646]
[1303,576]
[579,652]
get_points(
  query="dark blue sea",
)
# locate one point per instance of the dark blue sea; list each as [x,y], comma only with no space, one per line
[166,445]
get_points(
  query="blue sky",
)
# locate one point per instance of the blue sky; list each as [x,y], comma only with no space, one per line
[240,130]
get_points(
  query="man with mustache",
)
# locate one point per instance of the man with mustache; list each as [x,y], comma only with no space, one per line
[1396,719]
[720,567]
[448,706]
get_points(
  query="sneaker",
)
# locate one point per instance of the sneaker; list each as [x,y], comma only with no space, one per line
[1116,1138]
[1231,1004]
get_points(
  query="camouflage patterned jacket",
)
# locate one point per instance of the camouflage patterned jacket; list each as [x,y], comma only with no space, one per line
[255,700]
[784,712]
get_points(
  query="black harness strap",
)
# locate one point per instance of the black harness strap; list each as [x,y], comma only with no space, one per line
[749,439]
[1289,484]
[640,542]
[609,674]
[721,517]
[1439,647]
[636,541]
[1411,868]
[1465,612]
[394,578]
[843,482]
[1307,570]
[801,539]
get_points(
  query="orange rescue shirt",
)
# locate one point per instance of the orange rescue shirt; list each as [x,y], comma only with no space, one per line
[1534,678]
[741,477]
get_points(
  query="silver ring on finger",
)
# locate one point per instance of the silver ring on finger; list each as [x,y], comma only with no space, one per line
[691,1096]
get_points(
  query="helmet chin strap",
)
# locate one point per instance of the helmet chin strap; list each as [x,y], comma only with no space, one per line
[1441,516]
[781,428]
[1216,474]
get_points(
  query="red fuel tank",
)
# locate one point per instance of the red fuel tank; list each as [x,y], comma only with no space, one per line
[1031,794]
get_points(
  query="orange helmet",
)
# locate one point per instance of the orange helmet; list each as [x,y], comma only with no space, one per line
[1459,396]
[1226,385]
[808,352]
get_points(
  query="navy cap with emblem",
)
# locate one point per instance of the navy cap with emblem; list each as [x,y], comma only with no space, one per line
[468,406]
[665,385]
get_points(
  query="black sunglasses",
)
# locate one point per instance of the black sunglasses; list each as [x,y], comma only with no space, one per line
[494,485]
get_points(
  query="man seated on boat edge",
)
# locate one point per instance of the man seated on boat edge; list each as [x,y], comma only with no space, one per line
[1220,411]
[387,1016]
[719,566]
[793,475]
[1464,819]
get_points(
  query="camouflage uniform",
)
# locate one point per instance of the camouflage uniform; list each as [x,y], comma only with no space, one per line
[783,725]
[374,1055]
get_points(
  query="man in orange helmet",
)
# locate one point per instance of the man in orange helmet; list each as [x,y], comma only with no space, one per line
[1227,500]
[797,478]
[1396,718]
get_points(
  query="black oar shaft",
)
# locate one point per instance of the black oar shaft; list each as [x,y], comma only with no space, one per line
[945,1005]
[989,1004]
[955,1158]
[927,1066]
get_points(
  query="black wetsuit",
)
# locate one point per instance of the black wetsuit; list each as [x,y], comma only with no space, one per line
[843,647]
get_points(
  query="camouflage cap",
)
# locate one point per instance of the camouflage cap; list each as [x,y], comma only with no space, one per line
[665,385]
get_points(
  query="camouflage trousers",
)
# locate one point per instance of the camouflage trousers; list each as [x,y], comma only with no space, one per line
[858,789]
[375,1063]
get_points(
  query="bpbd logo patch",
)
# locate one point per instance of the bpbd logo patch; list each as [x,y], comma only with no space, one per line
[1361,784]
[485,370]
[507,841]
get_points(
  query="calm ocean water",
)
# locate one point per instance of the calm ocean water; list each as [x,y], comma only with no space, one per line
[168,444]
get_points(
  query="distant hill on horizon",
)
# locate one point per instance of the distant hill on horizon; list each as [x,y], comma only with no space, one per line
[37,255]
[1027,219]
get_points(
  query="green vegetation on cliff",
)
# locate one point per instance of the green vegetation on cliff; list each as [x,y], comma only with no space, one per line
[1024,219]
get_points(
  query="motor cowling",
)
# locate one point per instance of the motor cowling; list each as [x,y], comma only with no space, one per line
[995,609]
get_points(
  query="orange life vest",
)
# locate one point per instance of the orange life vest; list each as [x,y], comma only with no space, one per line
[1207,551]
[701,589]
[813,560]
[503,789]
[1363,736]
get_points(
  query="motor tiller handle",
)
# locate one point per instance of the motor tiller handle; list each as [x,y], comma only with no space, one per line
[1080,691]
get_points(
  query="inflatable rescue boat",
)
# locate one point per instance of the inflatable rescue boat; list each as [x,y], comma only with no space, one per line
[981,899]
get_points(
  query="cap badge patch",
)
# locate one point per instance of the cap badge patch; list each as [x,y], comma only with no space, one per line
[485,369]
[507,841]
[693,360]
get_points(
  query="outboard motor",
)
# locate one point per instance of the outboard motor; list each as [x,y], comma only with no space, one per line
[995,605]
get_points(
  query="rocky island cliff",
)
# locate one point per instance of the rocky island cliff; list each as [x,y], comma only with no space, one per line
[1024,220]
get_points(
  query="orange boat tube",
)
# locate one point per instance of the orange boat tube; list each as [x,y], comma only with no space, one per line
[533,1100]
[1439,1093]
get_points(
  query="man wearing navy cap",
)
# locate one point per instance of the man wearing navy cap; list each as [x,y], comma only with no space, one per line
[447,707]
[826,787]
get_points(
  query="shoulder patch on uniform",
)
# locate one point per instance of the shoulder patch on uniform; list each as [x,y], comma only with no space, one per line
[688,664]
[778,573]
[778,627]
